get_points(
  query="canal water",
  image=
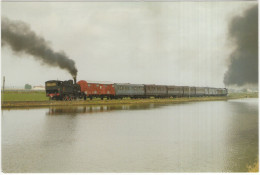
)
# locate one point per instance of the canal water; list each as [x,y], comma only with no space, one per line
[216,136]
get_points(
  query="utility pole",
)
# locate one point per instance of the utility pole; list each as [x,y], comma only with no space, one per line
[189,91]
[3,84]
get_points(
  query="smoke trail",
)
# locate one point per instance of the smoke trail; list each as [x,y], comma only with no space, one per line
[22,39]
[243,32]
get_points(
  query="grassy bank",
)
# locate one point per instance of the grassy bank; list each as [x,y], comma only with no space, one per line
[37,99]
[9,96]
[254,168]
[243,95]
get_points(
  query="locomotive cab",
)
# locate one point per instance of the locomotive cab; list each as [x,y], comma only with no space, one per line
[52,88]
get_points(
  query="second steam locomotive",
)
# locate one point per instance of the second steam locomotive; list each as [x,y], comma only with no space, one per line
[69,90]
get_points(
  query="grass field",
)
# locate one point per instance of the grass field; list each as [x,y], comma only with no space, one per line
[9,96]
[12,99]
[24,96]
[243,95]
[38,98]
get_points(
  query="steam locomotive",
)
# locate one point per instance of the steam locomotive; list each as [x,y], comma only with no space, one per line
[69,90]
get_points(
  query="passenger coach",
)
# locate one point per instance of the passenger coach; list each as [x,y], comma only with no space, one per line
[67,90]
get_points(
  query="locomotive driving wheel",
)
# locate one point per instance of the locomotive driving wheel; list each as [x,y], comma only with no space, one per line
[66,98]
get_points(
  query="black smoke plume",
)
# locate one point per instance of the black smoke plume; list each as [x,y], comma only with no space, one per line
[243,33]
[22,39]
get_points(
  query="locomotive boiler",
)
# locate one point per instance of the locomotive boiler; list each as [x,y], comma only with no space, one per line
[63,90]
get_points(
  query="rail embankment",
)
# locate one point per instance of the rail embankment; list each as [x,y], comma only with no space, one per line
[38,99]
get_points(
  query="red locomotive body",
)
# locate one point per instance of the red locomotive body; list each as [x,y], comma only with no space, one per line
[97,89]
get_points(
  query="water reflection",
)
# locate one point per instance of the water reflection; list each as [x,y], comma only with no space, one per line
[219,136]
[57,143]
[75,110]
[242,140]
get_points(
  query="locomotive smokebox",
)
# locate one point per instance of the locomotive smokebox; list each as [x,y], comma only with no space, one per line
[75,79]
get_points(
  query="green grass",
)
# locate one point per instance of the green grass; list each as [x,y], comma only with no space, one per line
[38,98]
[243,95]
[24,96]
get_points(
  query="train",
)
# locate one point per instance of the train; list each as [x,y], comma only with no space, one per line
[72,90]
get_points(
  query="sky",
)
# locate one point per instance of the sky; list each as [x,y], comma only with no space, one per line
[168,43]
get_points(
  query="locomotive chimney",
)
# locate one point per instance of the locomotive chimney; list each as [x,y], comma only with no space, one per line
[75,79]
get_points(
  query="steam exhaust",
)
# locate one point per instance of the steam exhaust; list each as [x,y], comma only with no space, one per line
[22,40]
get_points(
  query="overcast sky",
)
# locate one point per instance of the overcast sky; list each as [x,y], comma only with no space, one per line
[172,43]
